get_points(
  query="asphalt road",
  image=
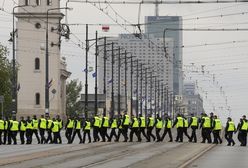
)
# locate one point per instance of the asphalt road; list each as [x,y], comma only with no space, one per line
[223,157]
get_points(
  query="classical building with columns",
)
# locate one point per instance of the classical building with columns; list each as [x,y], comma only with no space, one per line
[31,54]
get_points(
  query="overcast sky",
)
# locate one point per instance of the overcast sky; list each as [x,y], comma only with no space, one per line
[223,55]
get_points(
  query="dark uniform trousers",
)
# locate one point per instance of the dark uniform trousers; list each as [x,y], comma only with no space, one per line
[112,133]
[95,134]
[1,132]
[22,134]
[5,135]
[68,134]
[55,137]
[59,138]
[150,134]
[104,133]
[167,130]
[142,130]
[29,134]
[206,135]
[76,131]
[120,131]
[42,136]
[242,137]
[13,135]
[125,132]
[84,136]
[35,131]
[217,138]
[185,132]
[49,136]
[229,137]
[193,134]
[157,134]
[9,135]
[179,137]
[136,131]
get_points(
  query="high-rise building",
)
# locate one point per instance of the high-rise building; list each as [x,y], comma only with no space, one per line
[30,52]
[192,99]
[155,25]
[147,50]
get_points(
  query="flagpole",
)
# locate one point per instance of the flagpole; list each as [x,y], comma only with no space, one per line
[125,81]
[141,90]
[131,87]
[104,75]
[137,89]
[119,81]
[86,74]
[112,78]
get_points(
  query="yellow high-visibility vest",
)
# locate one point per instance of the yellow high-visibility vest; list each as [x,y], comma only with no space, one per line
[218,125]
[22,127]
[151,121]
[106,122]
[35,124]
[1,124]
[143,122]
[29,125]
[135,123]
[97,121]
[114,124]
[186,124]
[231,126]
[127,118]
[194,121]
[244,126]
[159,124]
[43,122]
[179,122]
[6,125]
[207,122]
[70,124]
[169,123]
[87,127]
[49,123]
[55,126]
[78,126]
[14,126]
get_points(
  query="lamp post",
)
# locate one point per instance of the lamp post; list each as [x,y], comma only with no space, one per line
[47,62]
[14,79]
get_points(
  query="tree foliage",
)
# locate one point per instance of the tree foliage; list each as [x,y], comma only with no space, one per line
[73,90]
[5,78]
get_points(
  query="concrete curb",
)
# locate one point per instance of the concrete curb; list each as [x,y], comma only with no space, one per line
[187,163]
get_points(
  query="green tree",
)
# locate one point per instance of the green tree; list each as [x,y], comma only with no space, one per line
[5,78]
[73,90]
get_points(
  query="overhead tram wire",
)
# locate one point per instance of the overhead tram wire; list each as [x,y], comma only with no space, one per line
[161,2]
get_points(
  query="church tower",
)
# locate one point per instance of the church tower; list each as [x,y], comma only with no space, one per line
[31,58]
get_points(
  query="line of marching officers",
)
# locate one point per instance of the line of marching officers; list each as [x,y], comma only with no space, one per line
[48,130]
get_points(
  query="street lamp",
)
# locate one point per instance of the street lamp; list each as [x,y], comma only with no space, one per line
[14,80]
[47,61]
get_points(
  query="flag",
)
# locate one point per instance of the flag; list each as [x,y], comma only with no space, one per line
[50,83]
[94,75]
[18,87]
[110,81]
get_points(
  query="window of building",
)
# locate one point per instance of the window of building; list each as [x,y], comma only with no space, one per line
[49,2]
[27,2]
[37,64]
[38,2]
[37,99]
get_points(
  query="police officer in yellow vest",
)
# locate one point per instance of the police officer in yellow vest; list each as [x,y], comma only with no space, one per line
[159,126]
[77,129]
[14,129]
[35,128]
[96,125]
[167,128]
[179,123]
[120,127]
[229,130]
[9,132]
[42,128]
[86,129]
[49,130]
[2,124]
[242,128]
[29,130]
[104,128]
[68,129]
[113,126]
[217,127]
[55,130]
[142,124]
[206,128]
[58,119]
[22,130]
[185,127]
[150,126]
[134,129]
[194,124]
[5,132]
[125,125]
